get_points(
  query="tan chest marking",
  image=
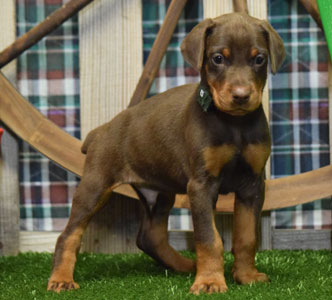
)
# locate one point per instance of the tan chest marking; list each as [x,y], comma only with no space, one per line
[216,157]
[256,156]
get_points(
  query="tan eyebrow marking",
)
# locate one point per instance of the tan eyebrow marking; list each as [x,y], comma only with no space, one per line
[226,52]
[254,52]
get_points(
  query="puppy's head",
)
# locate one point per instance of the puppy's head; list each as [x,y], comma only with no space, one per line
[231,52]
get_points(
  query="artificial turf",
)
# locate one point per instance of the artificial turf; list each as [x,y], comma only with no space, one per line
[294,275]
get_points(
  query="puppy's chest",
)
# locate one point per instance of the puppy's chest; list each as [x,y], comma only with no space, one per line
[237,150]
[236,159]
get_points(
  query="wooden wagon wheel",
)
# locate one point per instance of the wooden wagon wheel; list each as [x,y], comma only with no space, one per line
[30,125]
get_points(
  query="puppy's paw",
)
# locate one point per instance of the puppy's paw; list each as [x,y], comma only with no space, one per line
[58,286]
[250,277]
[208,285]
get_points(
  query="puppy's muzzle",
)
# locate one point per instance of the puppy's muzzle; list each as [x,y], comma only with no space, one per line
[241,94]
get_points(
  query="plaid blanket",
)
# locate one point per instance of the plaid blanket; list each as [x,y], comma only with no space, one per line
[299,110]
[49,77]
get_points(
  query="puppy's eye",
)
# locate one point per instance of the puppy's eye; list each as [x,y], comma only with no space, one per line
[218,59]
[259,60]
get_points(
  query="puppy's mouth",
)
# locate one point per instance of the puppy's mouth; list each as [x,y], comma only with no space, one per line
[224,102]
[236,112]
[227,105]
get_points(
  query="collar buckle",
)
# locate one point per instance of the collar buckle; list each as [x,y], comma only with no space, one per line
[204,98]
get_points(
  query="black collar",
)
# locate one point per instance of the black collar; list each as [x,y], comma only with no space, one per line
[204,97]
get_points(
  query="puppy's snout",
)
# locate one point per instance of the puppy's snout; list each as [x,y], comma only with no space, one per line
[241,94]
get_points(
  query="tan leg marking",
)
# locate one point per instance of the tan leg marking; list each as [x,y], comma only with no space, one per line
[158,237]
[216,157]
[62,275]
[210,267]
[244,246]
[152,237]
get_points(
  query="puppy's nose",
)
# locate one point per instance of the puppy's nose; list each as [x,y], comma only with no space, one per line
[241,94]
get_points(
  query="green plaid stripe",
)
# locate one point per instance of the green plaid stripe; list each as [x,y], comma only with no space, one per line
[173,70]
[299,109]
[48,77]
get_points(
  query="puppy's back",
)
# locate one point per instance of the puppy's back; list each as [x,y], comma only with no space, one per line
[162,109]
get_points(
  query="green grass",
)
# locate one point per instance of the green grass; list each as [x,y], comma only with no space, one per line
[294,275]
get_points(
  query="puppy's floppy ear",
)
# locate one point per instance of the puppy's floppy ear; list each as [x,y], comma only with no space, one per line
[193,45]
[276,46]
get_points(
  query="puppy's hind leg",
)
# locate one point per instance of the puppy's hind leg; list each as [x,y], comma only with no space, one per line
[153,235]
[89,197]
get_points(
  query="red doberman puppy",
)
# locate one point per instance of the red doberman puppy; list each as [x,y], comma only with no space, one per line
[201,139]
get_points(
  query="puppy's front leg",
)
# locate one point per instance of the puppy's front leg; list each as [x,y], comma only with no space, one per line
[245,231]
[209,248]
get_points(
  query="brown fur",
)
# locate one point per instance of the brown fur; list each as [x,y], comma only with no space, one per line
[168,145]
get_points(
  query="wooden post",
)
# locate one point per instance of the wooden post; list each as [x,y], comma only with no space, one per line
[158,50]
[111,62]
[312,8]
[34,35]
[9,186]
[258,9]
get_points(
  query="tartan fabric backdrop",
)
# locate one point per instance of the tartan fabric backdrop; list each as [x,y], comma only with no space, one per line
[299,110]
[48,75]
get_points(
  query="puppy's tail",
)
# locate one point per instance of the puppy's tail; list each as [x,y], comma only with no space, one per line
[88,140]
